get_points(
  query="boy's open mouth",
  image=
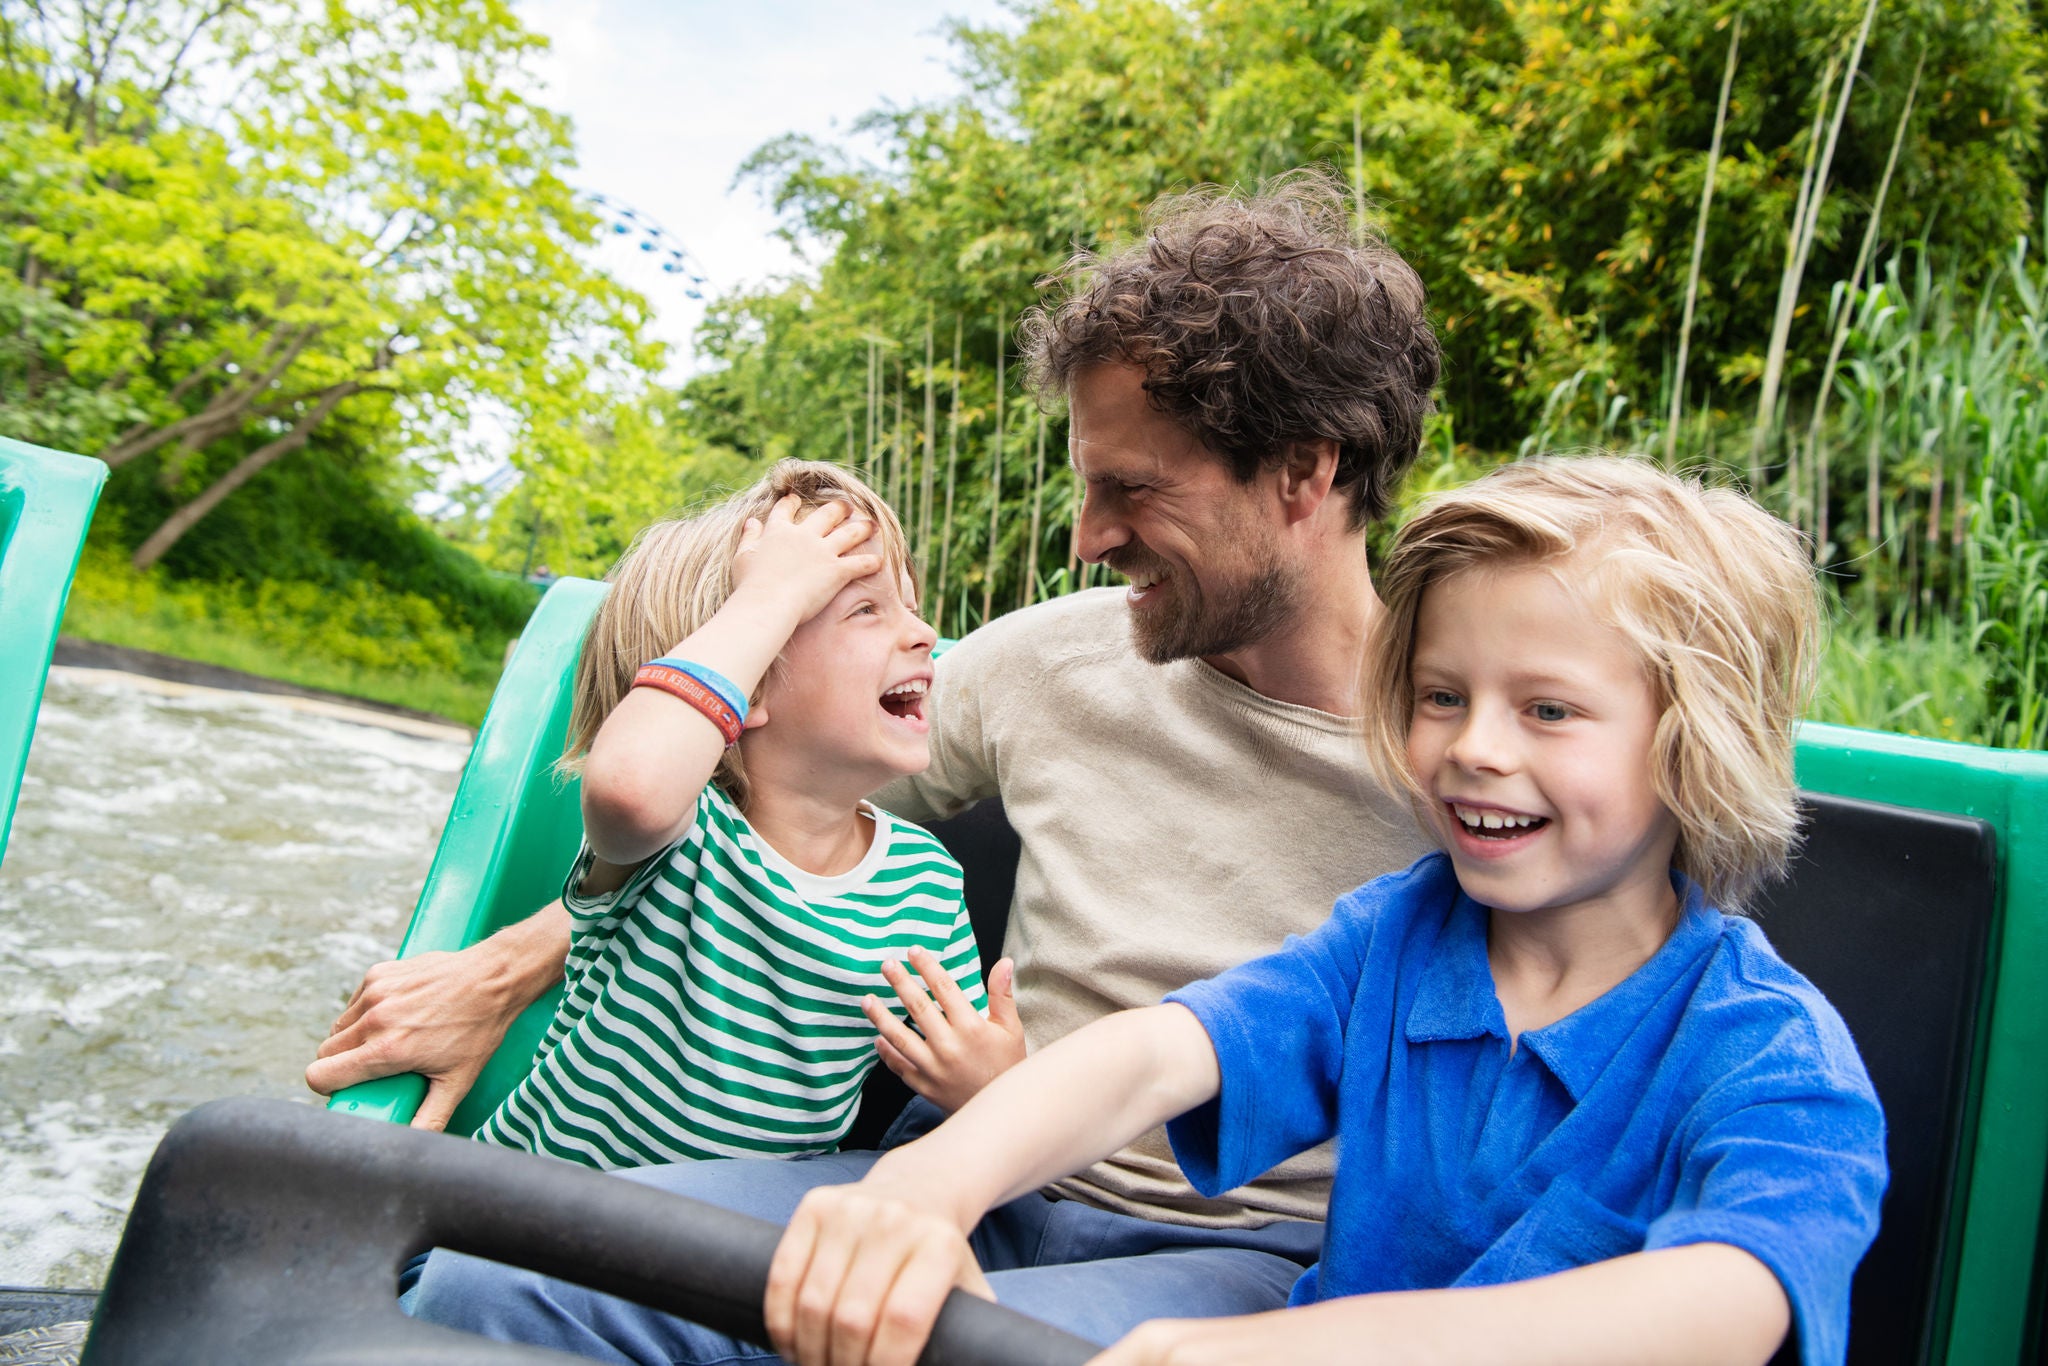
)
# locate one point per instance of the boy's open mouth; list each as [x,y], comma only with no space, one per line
[1486,823]
[906,700]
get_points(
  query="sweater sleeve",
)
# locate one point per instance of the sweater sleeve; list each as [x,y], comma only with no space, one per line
[1278,1025]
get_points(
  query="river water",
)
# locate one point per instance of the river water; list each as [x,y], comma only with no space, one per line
[193,885]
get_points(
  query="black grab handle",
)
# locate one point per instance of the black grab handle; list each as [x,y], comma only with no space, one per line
[268,1231]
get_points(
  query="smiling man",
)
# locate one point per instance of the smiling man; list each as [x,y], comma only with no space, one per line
[1248,385]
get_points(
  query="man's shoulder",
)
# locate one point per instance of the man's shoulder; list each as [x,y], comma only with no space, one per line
[1093,624]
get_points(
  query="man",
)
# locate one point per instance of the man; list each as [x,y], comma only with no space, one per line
[1248,386]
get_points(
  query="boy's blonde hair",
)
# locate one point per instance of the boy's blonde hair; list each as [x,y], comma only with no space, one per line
[1715,596]
[675,577]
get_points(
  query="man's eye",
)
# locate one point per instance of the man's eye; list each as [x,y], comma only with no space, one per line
[1552,711]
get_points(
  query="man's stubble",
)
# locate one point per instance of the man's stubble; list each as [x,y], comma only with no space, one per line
[1194,625]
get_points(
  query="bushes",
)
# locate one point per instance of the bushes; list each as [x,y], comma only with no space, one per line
[360,639]
[320,576]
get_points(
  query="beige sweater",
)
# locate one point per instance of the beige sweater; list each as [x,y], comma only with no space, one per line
[1174,823]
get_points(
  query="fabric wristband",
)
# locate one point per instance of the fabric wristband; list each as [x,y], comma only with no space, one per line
[710,678]
[688,688]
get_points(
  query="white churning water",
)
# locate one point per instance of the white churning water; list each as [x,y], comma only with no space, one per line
[193,885]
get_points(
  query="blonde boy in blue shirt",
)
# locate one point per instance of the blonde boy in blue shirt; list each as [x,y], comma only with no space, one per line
[1584,1116]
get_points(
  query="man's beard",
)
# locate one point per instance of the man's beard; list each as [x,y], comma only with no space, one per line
[1188,625]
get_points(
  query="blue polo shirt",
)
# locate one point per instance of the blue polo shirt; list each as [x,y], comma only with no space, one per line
[1713,1096]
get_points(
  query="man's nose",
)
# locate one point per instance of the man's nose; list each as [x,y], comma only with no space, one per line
[1100,529]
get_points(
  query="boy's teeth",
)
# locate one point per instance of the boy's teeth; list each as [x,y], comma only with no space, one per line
[1474,818]
[914,688]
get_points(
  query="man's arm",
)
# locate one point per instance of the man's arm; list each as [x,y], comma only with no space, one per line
[442,1015]
[1708,1303]
[861,1272]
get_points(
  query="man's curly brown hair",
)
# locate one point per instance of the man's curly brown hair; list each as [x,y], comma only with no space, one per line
[1259,321]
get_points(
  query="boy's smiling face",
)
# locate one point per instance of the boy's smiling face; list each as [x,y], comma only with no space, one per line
[848,697]
[1531,733]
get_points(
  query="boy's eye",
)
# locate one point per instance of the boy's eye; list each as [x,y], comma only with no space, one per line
[1551,711]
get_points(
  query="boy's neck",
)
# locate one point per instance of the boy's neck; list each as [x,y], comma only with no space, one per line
[1547,964]
[823,835]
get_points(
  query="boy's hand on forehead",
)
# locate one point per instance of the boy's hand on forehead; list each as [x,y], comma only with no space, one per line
[805,557]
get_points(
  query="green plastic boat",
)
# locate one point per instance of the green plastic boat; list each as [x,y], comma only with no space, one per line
[46,503]
[1974,1271]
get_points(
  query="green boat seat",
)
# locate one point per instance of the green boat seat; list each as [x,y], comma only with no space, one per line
[1920,905]
[46,503]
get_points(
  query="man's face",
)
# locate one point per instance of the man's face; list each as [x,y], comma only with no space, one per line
[1207,568]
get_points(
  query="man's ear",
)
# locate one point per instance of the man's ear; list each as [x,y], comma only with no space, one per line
[1307,476]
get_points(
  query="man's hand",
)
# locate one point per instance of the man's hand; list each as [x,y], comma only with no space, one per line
[953,1052]
[859,1278]
[441,1015]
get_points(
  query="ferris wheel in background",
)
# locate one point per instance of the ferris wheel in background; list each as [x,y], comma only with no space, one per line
[654,239]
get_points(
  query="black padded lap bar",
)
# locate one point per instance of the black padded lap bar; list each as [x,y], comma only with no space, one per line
[1890,911]
[271,1232]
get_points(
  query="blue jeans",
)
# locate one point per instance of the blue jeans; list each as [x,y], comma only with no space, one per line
[1096,1274]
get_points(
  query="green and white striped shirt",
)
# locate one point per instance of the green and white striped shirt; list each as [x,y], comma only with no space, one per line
[711,1005]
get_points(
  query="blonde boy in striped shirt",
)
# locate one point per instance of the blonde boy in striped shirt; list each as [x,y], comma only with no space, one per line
[740,911]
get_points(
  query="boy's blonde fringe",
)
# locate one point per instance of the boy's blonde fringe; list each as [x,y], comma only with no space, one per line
[1714,594]
[675,577]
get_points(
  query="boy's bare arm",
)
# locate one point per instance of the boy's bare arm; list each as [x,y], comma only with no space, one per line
[861,1272]
[652,756]
[442,1015]
[1702,1305]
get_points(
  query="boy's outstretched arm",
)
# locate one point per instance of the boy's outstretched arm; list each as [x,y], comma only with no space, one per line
[1701,1305]
[652,756]
[862,1270]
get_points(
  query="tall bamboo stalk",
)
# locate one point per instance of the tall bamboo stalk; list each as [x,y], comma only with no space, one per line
[995,483]
[899,452]
[868,427]
[952,462]
[1699,250]
[1812,196]
[1358,173]
[1037,504]
[1818,452]
[1781,318]
[924,497]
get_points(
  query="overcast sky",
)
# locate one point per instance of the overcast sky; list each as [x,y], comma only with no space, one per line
[670,96]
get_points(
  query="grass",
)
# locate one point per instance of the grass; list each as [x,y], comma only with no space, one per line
[1932,683]
[361,641]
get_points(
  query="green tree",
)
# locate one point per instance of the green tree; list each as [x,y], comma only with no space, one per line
[237,222]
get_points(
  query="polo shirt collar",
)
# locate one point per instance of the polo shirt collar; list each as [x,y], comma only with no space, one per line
[1578,1048]
[1455,998]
